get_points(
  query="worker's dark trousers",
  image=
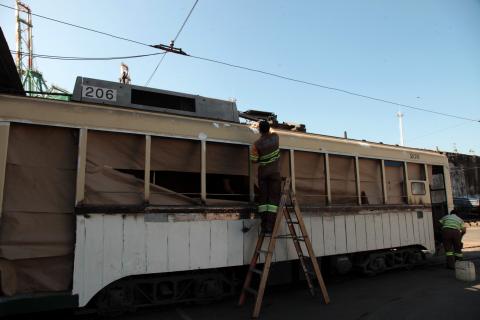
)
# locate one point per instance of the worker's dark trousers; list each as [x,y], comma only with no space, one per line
[452,242]
[269,186]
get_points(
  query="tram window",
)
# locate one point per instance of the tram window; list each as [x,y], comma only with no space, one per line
[227,173]
[395,182]
[310,178]
[416,171]
[175,171]
[418,188]
[114,169]
[342,180]
[371,181]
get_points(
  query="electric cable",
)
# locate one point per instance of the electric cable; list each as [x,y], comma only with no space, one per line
[77,26]
[175,39]
[45,56]
[333,88]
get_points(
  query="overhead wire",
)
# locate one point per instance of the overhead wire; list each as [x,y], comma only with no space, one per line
[80,27]
[333,88]
[255,70]
[45,56]
[174,39]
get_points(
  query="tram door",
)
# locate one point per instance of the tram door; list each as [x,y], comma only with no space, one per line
[438,197]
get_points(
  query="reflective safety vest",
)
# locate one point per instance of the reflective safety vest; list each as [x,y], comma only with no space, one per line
[452,221]
[266,150]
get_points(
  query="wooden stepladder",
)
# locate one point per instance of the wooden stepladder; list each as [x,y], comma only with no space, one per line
[289,209]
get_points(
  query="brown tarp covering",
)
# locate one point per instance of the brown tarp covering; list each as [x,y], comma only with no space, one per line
[342,180]
[107,153]
[416,171]
[175,155]
[228,159]
[395,182]
[38,226]
[370,181]
[310,178]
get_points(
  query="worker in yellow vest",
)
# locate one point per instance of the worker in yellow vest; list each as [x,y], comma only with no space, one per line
[453,229]
[265,151]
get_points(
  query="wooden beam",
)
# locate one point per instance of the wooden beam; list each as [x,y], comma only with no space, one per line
[384,183]
[292,169]
[146,189]
[251,176]
[81,165]
[327,179]
[203,173]
[357,180]
[4,134]
[407,186]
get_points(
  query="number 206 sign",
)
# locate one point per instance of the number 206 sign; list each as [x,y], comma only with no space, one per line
[99,93]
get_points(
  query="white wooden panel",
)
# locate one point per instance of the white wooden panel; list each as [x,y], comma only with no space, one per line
[281,253]
[199,244]
[93,254]
[157,249]
[235,242]
[402,223]
[329,235]
[308,226]
[250,239]
[361,232]
[178,246]
[387,238]
[421,230]
[370,226]
[112,248]
[317,236]
[378,231]
[416,232]
[370,232]
[426,229]
[219,243]
[430,231]
[340,235]
[291,251]
[394,230]
[134,251]
[410,236]
[351,234]
[79,263]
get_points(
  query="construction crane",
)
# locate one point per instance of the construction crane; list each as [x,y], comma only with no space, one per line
[32,79]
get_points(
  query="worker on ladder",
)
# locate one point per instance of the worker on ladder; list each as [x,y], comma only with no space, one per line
[265,151]
[453,229]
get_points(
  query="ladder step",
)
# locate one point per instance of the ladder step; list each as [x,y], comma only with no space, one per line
[287,236]
[264,251]
[292,222]
[250,290]
[257,271]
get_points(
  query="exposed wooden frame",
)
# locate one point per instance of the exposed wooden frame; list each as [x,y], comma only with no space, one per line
[427,183]
[81,165]
[4,134]
[327,179]
[384,183]
[251,176]
[148,150]
[292,169]
[407,187]
[357,180]
[203,172]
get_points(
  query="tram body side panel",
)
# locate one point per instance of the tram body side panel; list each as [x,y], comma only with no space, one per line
[112,246]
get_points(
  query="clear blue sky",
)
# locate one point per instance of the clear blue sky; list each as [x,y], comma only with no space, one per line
[423,53]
